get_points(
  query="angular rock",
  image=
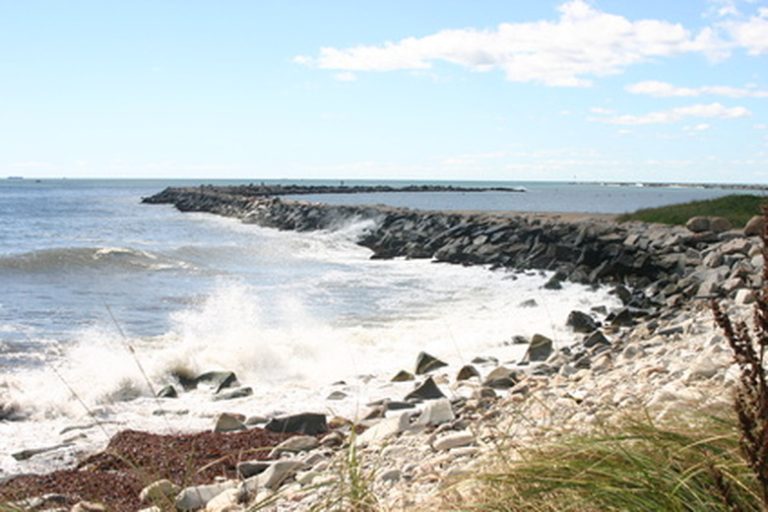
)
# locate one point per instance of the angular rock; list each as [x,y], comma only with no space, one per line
[427,390]
[226,422]
[528,303]
[306,423]
[736,246]
[402,376]
[745,296]
[385,429]
[436,412]
[581,322]
[467,372]
[539,349]
[426,363]
[597,338]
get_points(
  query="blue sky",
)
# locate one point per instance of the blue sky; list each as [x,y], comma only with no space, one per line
[481,90]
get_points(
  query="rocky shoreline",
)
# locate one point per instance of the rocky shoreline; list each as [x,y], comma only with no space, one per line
[658,353]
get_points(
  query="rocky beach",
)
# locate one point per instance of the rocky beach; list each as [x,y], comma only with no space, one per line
[424,449]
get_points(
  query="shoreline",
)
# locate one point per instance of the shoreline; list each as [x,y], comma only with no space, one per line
[660,274]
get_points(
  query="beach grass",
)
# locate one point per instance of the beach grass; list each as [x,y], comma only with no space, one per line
[635,466]
[737,208]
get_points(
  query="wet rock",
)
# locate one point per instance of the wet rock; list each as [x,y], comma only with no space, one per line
[427,390]
[581,322]
[159,491]
[402,376]
[167,392]
[539,349]
[217,380]
[529,303]
[226,422]
[337,395]
[467,372]
[235,393]
[426,363]
[306,423]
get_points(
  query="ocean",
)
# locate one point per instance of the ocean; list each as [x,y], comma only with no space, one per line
[102,297]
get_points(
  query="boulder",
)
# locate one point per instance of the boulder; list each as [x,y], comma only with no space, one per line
[467,372]
[167,392]
[385,429]
[402,376]
[736,246]
[719,224]
[306,423]
[698,224]
[501,378]
[581,322]
[217,380]
[427,390]
[227,501]
[539,349]
[436,412]
[226,422]
[755,226]
[597,338]
[249,468]
[426,363]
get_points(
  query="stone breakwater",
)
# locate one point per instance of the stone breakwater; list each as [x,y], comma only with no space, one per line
[661,265]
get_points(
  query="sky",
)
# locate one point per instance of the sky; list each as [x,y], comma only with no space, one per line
[602,90]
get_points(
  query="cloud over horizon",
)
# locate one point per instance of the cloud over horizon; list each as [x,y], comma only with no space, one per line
[583,42]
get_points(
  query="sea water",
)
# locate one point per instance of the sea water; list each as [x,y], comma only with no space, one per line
[102,298]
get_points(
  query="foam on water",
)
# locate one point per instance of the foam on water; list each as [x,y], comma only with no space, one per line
[279,344]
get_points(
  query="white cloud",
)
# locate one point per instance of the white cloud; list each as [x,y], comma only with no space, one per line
[751,34]
[582,43]
[602,110]
[667,90]
[711,110]
[701,127]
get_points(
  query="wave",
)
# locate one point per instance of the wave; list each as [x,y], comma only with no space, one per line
[80,258]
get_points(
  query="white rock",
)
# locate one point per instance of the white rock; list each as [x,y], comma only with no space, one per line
[224,502]
[272,477]
[159,491]
[193,498]
[454,440]
[745,296]
[295,444]
[465,451]
[385,429]
[435,413]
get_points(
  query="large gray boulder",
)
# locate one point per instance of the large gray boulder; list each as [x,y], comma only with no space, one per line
[755,226]
[581,322]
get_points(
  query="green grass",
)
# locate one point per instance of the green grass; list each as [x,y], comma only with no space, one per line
[633,467]
[737,208]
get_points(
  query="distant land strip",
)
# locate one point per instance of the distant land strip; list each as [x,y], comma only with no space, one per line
[264,190]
